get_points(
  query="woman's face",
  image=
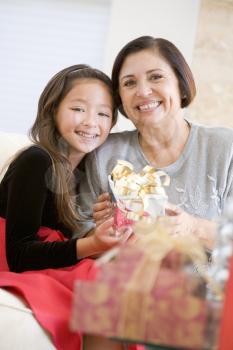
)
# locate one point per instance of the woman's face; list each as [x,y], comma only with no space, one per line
[149,89]
[84,116]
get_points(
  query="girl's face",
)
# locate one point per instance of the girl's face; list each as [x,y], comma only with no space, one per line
[149,89]
[84,117]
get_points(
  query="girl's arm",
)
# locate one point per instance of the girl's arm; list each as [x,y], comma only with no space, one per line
[27,183]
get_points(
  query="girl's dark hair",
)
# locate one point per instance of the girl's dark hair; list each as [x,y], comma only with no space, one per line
[173,57]
[44,133]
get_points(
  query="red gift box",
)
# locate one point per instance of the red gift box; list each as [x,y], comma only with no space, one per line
[136,299]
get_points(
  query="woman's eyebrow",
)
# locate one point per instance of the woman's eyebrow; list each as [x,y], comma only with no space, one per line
[147,72]
[154,70]
[127,76]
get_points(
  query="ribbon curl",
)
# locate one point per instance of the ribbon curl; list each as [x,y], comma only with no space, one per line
[141,194]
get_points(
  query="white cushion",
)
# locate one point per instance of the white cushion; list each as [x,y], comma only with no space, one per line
[10,143]
[18,327]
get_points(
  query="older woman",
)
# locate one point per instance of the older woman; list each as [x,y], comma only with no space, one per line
[153,84]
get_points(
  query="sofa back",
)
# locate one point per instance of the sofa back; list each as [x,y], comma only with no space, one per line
[10,143]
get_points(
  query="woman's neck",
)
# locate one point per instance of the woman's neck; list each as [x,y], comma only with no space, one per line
[163,145]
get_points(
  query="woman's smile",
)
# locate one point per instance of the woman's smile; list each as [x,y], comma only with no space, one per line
[148,106]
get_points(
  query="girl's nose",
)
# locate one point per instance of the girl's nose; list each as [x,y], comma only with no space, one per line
[90,120]
[143,89]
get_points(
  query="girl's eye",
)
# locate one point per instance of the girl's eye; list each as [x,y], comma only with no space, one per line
[101,114]
[78,109]
[129,83]
[155,76]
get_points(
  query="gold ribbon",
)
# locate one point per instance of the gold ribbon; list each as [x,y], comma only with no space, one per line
[132,188]
[155,243]
[123,168]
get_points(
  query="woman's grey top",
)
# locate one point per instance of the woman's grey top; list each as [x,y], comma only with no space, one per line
[201,178]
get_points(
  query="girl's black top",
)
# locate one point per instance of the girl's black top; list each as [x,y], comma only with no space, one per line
[27,202]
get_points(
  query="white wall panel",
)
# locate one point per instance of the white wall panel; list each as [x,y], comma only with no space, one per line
[37,39]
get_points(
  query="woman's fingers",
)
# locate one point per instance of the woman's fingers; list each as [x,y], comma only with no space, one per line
[101,205]
[103,201]
[132,238]
[169,220]
[102,210]
[172,210]
[102,215]
[103,197]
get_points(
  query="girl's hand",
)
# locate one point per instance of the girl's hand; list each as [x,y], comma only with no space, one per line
[97,240]
[103,209]
[103,238]
[106,236]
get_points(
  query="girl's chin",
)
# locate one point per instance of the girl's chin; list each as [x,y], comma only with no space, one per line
[88,148]
[83,149]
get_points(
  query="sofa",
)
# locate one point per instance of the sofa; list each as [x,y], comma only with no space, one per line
[19,330]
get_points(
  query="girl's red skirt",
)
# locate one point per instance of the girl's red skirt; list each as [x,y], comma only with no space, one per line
[49,292]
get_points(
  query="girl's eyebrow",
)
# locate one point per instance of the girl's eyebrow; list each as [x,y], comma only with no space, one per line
[78,100]
[147,72]
[85,101]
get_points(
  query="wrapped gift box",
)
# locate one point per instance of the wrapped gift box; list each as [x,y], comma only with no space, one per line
[142,297]
[138,195]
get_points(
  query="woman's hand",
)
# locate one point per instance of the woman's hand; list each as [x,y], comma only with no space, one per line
[103,209]
[178,222]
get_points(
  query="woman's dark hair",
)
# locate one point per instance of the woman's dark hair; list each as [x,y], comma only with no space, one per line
[173,57]
[44,133]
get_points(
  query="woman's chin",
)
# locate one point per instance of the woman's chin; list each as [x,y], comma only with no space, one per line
[149,122]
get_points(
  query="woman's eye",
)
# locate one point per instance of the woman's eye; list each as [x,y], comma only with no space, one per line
[101,114]
[155,76]
[78,109]
[129,83]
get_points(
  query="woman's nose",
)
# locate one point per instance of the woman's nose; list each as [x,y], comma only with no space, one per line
[143,89]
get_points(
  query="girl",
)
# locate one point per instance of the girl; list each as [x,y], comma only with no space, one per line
[38,201]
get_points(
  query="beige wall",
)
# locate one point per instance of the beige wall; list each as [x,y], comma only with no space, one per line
[213,64]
